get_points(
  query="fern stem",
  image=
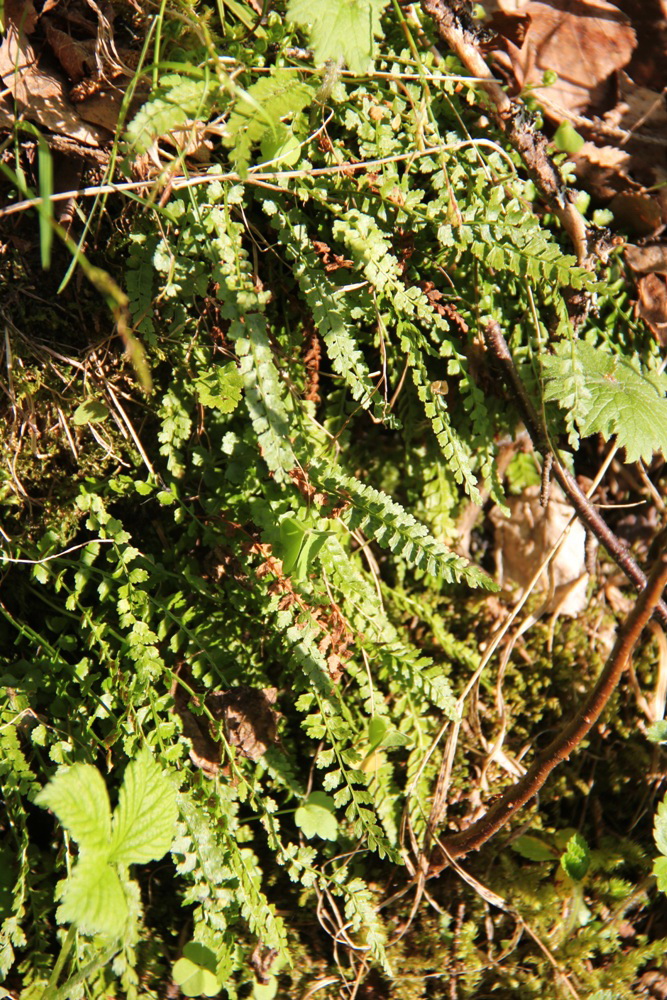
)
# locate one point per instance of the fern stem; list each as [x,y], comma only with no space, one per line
[571,735]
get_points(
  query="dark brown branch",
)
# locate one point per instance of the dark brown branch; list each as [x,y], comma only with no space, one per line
[571,736]
[514,121]
[497,346]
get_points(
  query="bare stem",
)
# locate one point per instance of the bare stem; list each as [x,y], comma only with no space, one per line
[571,735]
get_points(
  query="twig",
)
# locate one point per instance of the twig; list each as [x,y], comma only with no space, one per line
[514,121]
[497,346]
[572,734]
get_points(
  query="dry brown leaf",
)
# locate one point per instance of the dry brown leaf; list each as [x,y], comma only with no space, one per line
[76,58]
[21,13]
[523,541]
[40,93]
[652,305]
[248,716]
[647,260]
[583,41]
[636,211]
[102,108]
[638,109]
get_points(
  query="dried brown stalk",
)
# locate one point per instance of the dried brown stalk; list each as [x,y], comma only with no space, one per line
[570,736]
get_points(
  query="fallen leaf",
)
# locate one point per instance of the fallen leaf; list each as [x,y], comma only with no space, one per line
[602,169]
[652,305]
[76,58]
[248,716]
[524,539]
[42,95]
[636,211]
[638,109]
[583,41]
[647,260]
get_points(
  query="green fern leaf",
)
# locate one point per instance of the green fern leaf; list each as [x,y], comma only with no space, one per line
[178,100]
[259,111]
[220,388]
[609,395]
[340,29]
[264,394]
[394,528]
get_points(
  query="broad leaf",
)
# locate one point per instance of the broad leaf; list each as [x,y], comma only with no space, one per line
[91,412]
[80,800]
[144,821]
[340,29]
[316,817]
[533,848]
[609,395]
[660,872]
[93,898]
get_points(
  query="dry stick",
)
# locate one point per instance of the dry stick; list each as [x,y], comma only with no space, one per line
[497,346]
[571,736]
[514,121]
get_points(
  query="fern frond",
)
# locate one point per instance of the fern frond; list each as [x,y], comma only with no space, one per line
[331,310]
[395,529]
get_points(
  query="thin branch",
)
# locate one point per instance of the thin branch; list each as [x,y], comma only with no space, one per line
[572,734]
[497,346]
[458,32]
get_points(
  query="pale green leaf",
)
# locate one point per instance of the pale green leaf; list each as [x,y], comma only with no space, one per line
[576,859]
[220,388]
[609,395]
[660,827]
[80,800]
[260,109]
[91,412]
[144,822]
[533,848]
[178,100]
[195,971]
[340,29]
[660,872]
[316,817]
[657,732]
[93,898]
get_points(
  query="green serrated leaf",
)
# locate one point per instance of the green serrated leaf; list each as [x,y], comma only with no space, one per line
[660,827]
[178,100]
[660,872]
[80,800]
[93,898]
[657,732]
[144,821]
[316,817]
[609,395]
[576,859]
[259,111]
[340,29]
